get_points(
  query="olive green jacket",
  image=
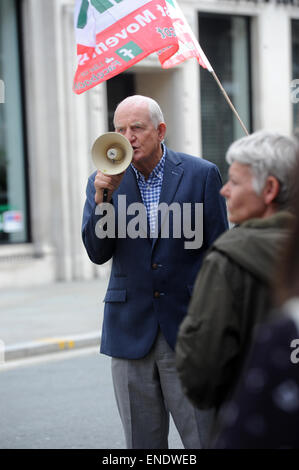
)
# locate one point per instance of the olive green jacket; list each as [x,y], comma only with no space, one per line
[231,295]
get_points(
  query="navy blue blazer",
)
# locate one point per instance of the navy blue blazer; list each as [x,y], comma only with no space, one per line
[152,279]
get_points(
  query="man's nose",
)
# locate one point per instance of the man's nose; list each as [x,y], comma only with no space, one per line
[130,135]
[224,190]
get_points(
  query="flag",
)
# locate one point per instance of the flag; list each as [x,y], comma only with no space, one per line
[188,44]
[113,35]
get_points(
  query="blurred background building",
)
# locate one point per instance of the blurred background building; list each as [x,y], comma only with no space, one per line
[46,131]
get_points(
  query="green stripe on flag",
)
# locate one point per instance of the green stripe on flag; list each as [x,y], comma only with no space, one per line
[170,3]
[82,18]
[102,5]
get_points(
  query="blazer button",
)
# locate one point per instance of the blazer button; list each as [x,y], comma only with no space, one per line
[154,266]
[156,294]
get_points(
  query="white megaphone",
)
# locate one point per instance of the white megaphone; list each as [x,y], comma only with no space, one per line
[112,154]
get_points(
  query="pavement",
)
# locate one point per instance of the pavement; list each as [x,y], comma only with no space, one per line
[50,318]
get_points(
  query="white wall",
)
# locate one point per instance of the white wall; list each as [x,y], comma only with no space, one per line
[272,71]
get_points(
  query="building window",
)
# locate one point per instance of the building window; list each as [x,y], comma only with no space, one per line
[13,211]
[226,42]
[295,58]
[118,88]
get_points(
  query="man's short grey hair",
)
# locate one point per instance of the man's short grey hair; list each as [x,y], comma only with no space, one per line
[268,154]
[155,111]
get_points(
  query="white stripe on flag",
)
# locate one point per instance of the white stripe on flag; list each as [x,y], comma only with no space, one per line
[99,21]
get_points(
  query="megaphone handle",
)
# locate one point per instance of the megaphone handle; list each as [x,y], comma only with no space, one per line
[105,195]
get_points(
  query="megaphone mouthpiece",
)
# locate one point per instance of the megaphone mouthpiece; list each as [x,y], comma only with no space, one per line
[115,153]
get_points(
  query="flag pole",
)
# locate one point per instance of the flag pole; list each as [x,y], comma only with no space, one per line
[229,101]
[206,62]
[212,71]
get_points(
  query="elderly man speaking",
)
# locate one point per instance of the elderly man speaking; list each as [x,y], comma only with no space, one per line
[152,275]
[232,291]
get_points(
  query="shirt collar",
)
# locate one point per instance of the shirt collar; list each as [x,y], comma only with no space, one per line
[157,171]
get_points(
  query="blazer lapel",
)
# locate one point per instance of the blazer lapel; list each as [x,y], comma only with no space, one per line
[129,187]
[172,176]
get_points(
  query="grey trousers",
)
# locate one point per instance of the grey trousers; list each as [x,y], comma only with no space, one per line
[146,391]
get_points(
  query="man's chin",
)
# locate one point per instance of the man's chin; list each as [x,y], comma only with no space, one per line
[137,156]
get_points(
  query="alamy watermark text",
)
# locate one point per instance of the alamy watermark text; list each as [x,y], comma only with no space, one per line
[2,91]
[295,353]
[176,221]
[295,91]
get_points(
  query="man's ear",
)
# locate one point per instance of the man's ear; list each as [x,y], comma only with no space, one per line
[161,130]
[271,190]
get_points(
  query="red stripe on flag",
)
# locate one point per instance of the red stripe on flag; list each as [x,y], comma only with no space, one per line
[125,43]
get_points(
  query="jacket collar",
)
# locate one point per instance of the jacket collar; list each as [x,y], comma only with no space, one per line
[281,219]
[173,172]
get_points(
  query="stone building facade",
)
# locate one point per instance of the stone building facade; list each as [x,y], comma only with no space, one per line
[46,131]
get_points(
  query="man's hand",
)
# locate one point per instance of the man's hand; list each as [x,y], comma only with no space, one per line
[110,182]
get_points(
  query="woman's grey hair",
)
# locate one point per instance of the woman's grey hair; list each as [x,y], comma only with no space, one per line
[155,111]
[268,154]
